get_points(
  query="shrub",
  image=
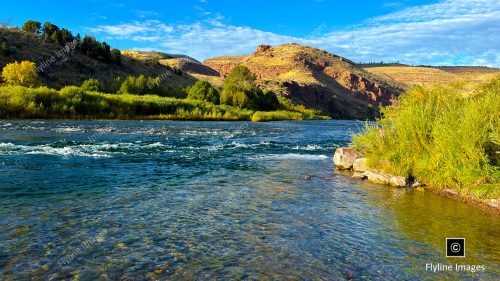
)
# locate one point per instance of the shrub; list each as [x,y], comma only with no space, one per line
[202,90]
[445,136]
[22,74]
[93,85]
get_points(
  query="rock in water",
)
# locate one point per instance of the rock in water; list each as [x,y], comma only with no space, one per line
[344,157]
[359,165]
[416,183]
[398,181]
[358,176]
[377,177]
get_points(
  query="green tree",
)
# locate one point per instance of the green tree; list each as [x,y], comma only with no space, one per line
[116,56]
[32,26]
[89,46]
[54,37]
[22,74]
[135,85]
[4,49]
[202,90]
[65,36]
[239,78]
[93,85]
[237,87]
[240,90]
[104,51]
[49,29]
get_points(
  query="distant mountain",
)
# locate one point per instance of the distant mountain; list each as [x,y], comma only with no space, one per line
[315,78]
[408,76]
[73,67]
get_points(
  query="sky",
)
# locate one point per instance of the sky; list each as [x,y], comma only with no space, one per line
[438,32]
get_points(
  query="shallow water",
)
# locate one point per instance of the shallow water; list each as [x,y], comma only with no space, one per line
[107,200]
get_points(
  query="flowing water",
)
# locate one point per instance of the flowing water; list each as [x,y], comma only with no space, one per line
[106,200]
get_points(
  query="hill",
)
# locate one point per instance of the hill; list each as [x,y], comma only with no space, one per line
[314,78]
[69,66]
[409,76]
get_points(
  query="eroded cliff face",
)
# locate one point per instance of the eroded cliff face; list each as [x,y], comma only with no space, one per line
[314,78]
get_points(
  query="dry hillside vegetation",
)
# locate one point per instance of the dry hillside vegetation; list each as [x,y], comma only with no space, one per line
[417,75]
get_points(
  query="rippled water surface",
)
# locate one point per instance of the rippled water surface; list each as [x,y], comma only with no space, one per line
[102,200]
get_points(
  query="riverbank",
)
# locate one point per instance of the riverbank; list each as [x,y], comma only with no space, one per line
[446,136]
[73,102]
[353,162]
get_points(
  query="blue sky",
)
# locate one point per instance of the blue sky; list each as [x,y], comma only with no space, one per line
[439,32]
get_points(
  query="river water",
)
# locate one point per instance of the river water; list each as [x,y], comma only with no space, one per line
[130,200]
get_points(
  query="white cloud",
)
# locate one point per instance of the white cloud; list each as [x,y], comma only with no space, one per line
[127,30]
[449,32]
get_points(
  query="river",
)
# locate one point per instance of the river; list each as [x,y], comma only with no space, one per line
[130,200]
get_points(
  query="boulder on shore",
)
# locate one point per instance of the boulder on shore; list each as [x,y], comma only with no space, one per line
[359,165]
[344,157]
[398,181]
[376,177]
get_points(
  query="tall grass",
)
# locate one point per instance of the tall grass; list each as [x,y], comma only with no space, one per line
[76,103]
[448,137]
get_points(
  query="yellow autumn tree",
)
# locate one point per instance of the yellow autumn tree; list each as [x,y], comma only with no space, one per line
[20,73]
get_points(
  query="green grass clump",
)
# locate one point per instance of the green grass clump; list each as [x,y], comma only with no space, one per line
[260,116]
[76,103]
[448,137]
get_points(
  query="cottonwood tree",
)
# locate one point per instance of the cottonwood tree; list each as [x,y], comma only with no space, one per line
[20,74]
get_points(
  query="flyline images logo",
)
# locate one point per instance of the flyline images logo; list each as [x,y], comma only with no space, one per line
[455,247]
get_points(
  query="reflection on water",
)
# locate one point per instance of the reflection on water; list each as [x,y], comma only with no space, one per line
[194,201]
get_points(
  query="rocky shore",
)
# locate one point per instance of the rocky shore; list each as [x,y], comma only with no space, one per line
[346,158]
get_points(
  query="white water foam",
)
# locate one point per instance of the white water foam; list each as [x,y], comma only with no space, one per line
[103,150]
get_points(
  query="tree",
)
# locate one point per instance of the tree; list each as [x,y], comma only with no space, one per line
[135,85]
[239,78]
[241,91]
[65,36]
[92,85]
[116,56]
[104,51]
[54,37]
[202,90]
[89,46]
[239,81]
[32,26]
[49,29]
[22,74]
[4,49]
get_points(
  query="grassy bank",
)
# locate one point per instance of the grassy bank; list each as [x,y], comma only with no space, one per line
[75,103]
[448,137]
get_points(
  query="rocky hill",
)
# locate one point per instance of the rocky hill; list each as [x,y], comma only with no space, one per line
[68,66]
[315,78]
